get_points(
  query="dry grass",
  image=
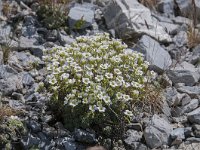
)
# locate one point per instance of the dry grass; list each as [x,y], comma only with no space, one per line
[149,3]
[6,53]
[152,102]
[192,33]
[6,111]
[193,37]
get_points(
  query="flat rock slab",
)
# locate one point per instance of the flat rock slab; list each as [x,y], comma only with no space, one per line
[129,18]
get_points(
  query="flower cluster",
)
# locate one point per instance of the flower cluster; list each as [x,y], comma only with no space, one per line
[98,72]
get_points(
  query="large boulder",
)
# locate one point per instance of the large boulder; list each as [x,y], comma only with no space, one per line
[159,59]
[184,73]
[131,19]
[157,133]
[185,7]
[194,116]
[81,16]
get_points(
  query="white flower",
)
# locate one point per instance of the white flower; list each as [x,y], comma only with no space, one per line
[107,99]
[86,80]
[85,101]
[126,97]
[64,76]
[14,117]
[113,84]
[66,100]
[73,103]
[71,81]
[52,81]
[109,75]
[100,96]
[99,78]
[104,66]
[153,74]
[69,59]
[136,92]
[127,84]
[101,109]
[117,71]
[77,69]
[92,108]
[119,95]
[89,73]
[128,113]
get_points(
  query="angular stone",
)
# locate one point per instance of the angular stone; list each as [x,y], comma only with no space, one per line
[192,146]
[194,116]
[178,133]
[27,79]
[31,44]
[159,59]
[166,6]
[157,132]
[84,136]
[181,39]
[184,73]
[84,13]
[34,126]
[132,136]
[192,91]
[129,18]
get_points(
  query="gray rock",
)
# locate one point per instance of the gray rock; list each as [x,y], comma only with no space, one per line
[16,104]
[69,144]
[184,73]
[31,44]
[52,36]
[136,146]
[129,18]
[181,39]
[132,136]
[84,136]
[11,84]
[170,27]
[192,146]
[173,97]
[28,31]
[34,126]
[177,136]
[6,71]
[157,132]
[192,91]
[18,96]
[178,133]
[185,100]
[196,129]
[29,141]
[27,79]
[194,103]
[159,58]
[5,32]
[181,20]
[64,39]
[193,140]
[195,58]
[186,6]
[194,116]
[84,12]
[166,6]
[29,21]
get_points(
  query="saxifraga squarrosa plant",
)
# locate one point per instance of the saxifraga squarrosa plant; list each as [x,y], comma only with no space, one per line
[96,80]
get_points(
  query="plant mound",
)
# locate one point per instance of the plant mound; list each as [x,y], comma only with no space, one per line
[96,80]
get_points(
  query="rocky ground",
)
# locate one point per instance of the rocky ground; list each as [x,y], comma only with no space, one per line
[163,33]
